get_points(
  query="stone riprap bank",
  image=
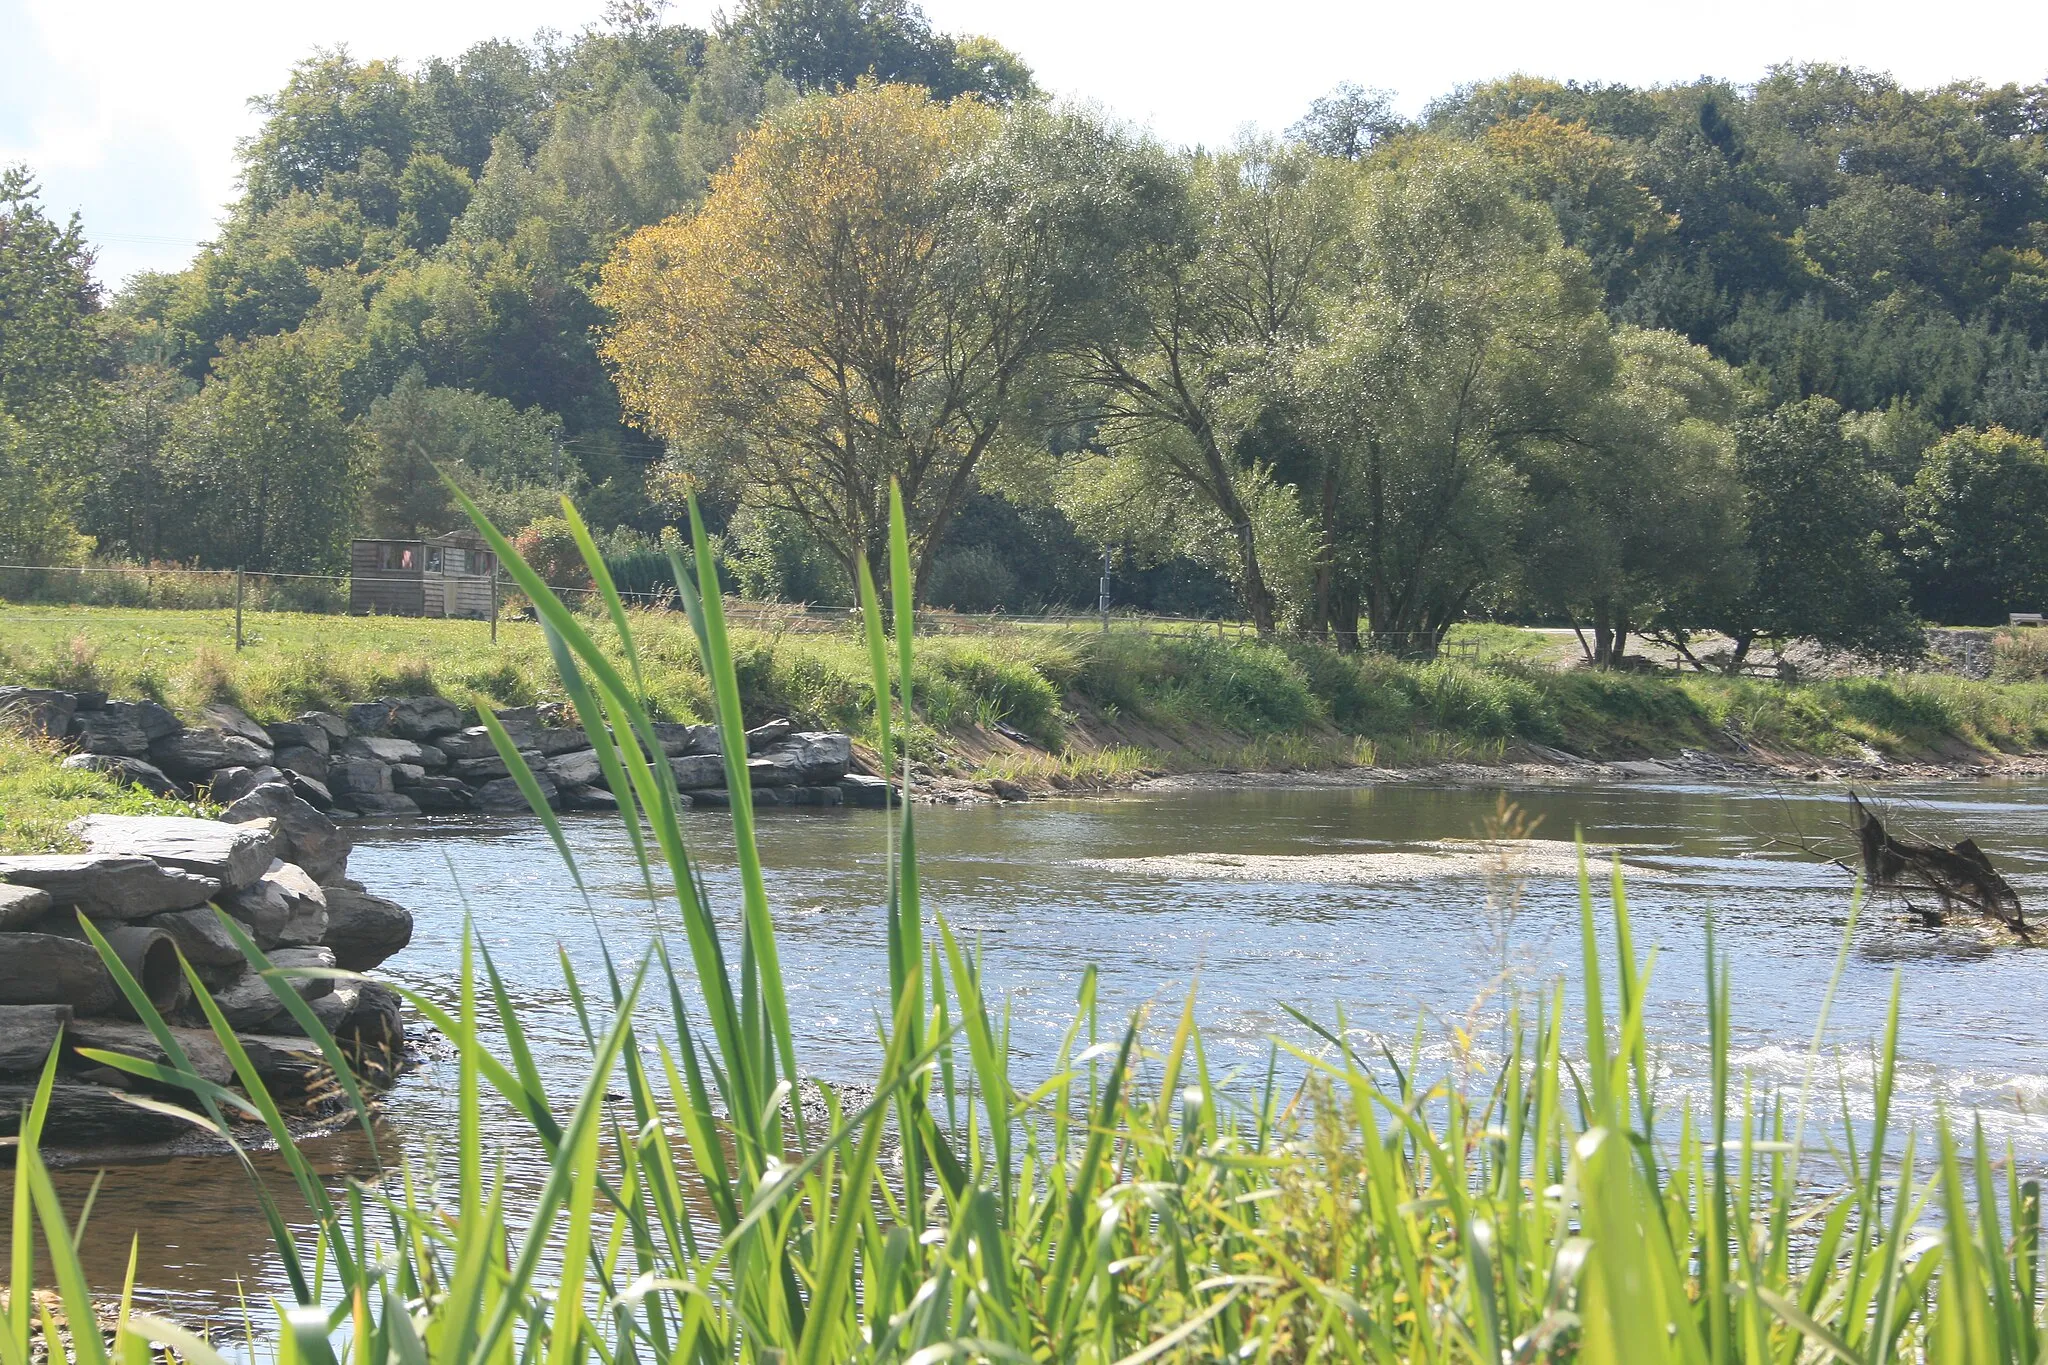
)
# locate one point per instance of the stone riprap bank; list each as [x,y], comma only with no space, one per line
[410,755]
[149,885]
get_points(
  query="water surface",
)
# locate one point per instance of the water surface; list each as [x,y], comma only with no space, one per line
[1390,955]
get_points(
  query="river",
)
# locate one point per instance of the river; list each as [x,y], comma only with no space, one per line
[1047,888]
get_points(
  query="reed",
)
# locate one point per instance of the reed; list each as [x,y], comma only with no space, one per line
[1132,1205]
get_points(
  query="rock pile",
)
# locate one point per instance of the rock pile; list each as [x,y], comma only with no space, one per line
[412,754]
[149,884]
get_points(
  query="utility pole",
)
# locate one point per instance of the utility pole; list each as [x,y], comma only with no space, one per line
[1102,596]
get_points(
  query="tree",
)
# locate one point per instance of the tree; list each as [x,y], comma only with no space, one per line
[1815,519]
[1347,123]
[511,461]
[50,387]
[277,463]
[1471,337]
[1639,509]
[867,295]
[829,45]
[1229,268]
[35,525]
[1976,532]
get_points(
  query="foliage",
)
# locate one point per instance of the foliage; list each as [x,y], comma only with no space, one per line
[35,524]
[508,458]
[831,45]
[1976,527]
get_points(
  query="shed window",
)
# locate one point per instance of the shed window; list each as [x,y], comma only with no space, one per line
[433,559]
[399,558]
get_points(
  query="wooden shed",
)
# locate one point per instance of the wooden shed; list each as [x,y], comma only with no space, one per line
[450,575]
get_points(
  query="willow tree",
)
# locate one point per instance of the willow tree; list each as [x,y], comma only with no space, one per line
[866,294]
[1232,262]
[1471,334]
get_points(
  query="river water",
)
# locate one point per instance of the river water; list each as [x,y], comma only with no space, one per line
[1049,888]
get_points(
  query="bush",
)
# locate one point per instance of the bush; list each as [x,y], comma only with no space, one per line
[2020,655]
[972,579]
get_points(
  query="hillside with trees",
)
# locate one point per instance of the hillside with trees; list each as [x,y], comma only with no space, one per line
[1761,363]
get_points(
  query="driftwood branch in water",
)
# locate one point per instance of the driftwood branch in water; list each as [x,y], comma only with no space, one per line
[1956,875]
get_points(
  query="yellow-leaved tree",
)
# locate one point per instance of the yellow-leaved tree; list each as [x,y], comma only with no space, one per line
[868,292]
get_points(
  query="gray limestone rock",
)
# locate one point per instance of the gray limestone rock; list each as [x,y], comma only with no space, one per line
[579,769]
[588,798]
[697,772]
[109,886]
[47,969]
[423,718]
[312,790]
[27,1032]
[230,785]
[201,937]
[483,769]
[771,772]
[379,803]
[350,777]
[304,760]
[441,794]
[369,718]
[132,772]
[116,728]
[305,836]
[83,1115]
[405,776]
[772,732]
[235,721]
[192,755]
[285,907]
[860,789]
[232,854]
[318,958]
[20,904]
[301,734]
[247,1002]
[364,930]
[475,742]
[130,1039]
[814,757]
[503,794]
[381,749]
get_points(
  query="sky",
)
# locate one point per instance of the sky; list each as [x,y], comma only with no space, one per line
[129,112]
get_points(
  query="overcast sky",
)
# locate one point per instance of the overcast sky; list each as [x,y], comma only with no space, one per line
[129,111]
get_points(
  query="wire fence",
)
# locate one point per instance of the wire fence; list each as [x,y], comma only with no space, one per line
[41,592]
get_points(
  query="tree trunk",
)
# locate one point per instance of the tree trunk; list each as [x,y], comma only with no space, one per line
[1740,654]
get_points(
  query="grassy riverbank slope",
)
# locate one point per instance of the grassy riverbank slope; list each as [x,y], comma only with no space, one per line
[1095,707]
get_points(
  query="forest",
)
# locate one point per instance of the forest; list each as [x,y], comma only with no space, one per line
[1746,364]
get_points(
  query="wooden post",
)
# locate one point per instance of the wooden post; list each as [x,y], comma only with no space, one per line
[238,610]
[494,599]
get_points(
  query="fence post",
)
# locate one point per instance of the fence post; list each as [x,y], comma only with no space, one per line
[494,599]
[238,610]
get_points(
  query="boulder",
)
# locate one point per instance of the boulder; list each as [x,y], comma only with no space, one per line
[433,757]
[301,734]
[350,777]
[129,1039]
[233,720]
[335,726]
[578,769]
[364,930]
[503,794]
[368,718]
[202,938]
[441,794]
[116,728]
[405,776]
[484,769]
[232,854]
[381,749]
[814,757]
[192,755]
[84,1115]
[20,904]
[379,803]
[673,738]
[331,1009]
[109,886]
[27,1032]
[38,710]
[319,959]
[281,1056]
[247,1002]
[859,789]
[48,969]
[811,796]
[1006,790]
[304,835]
[378,1021]
[588,798]
[697,772]
[771,772]
[423,718]
[230,785]
[475,742]
[285,907]
[773,732]
[129,772]
[311,790]
[304,760]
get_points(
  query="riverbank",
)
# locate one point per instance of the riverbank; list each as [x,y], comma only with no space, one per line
[1047,710]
